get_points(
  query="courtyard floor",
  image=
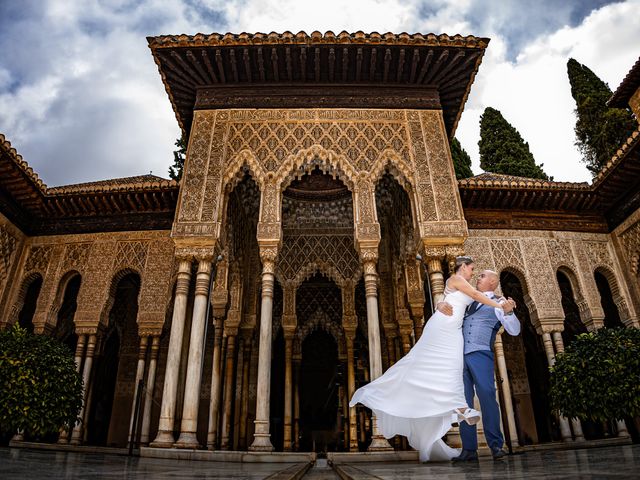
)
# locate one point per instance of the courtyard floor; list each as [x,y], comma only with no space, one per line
[597,463]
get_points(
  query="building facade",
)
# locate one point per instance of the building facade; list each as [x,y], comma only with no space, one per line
[314,226]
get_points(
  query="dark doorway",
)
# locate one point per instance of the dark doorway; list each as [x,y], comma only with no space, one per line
[611,314]
[65,328]
[114,375]
[25,317]
[572,324]
[319,393]
[536,363]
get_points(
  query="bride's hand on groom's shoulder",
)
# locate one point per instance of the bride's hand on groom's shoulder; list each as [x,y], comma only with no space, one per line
[445,308]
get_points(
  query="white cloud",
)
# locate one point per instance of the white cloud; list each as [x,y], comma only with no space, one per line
[81,98]
[533,93]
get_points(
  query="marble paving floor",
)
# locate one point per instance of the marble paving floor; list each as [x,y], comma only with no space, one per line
[24,464]
[597,463]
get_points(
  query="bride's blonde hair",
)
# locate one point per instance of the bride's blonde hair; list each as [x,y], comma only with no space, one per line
[462,260]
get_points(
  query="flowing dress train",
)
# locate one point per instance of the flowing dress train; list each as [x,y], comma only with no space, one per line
[416,397]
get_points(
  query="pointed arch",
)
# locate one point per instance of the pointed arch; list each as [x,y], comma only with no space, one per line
[321,267]
[307,159]
[65,279]
[618,310]
[115,280]
[242,163]
[18,305]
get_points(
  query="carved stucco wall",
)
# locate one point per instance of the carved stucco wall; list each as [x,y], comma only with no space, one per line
[356,145]
[626,238]
[535,257]
[11,246]
[99,258]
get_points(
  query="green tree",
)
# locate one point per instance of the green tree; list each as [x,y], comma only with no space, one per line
[598,376]
[461,160]
[600,130]
[175,171]
[40,390]
[503,150]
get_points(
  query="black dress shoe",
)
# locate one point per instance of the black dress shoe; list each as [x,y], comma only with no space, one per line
[466,456]
[498,453]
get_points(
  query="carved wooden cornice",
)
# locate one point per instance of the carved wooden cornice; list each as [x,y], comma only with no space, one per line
[287,70]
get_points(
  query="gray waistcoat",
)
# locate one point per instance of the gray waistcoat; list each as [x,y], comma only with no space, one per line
[480,329]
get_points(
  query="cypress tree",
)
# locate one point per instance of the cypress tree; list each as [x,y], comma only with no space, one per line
[600,130]
[461,160]
[175,171]
[503,150]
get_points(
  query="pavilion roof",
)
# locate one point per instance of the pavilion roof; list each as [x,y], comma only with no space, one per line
[130,203]
[286,70]
[602,205]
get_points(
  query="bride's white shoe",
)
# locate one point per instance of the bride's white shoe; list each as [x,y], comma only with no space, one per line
[470,415]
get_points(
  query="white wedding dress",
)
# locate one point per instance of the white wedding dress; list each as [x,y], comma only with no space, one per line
[416,397]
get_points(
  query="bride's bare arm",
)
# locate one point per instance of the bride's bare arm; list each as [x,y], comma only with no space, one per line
[465,287]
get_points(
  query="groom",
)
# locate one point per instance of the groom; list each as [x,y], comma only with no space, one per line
[481,324]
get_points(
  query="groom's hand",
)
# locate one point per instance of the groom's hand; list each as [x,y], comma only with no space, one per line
[444,307]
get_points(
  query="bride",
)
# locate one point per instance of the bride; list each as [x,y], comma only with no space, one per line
[422,394]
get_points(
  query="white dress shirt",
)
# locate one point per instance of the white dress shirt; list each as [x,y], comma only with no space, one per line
[509,321]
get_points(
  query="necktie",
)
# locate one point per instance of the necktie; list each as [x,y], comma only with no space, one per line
[472,308]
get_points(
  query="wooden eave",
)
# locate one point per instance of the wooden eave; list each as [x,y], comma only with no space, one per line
[322,70]
[134,203]
[627,88]
[498,201]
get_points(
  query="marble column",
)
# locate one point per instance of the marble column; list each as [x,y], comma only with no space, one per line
[245,393]
[296,405]
[506,390]
[565,429]
[406,342]
[351,385]
[436,279]
[576,425]
[378,442]
[216,376]
[262,440]
[76,435]
[391,349]
[228,391]
[142,355]
[148,393]
[80,345]
[165,439]
[239,393]
[189,424]
[288,400]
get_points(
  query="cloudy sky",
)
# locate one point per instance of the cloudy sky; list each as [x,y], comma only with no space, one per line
[81,98]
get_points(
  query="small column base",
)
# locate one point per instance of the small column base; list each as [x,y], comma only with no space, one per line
[622,429]
[187,440]
[76,437]
[163,440]
[261,443]
[380,444]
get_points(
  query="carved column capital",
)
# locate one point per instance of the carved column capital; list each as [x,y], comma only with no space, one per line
[268,256]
